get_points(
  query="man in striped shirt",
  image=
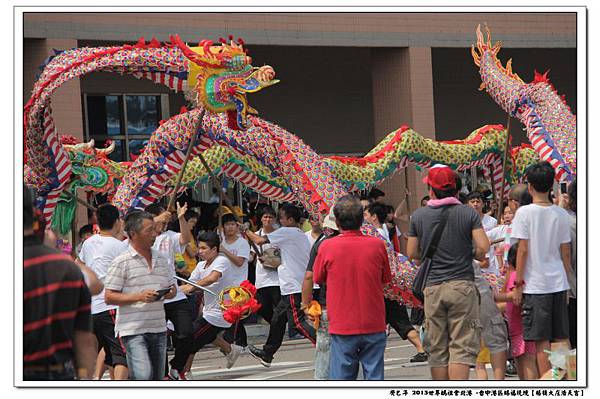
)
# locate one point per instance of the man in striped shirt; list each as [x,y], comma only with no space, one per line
[133,282]
[57,340]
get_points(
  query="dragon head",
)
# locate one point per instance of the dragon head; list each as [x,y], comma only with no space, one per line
[92,170]
[221,75]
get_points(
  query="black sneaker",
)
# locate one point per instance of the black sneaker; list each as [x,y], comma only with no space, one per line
[511,368]
[260,355]
[419,357]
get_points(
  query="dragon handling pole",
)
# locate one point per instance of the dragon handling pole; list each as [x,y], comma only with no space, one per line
[224,198]
[185,161]
[504,159]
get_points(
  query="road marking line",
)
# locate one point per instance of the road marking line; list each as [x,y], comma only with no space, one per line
[274,374]
[399,346]
[274,367]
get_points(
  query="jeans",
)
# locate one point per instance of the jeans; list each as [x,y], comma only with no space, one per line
[146,355]
[347,351]
[323,346]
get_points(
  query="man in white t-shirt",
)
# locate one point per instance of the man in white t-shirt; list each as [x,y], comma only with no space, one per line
[543,261]
[215,272]
[267,278]
[237,250]
[178,309]
[98,252]
[295,250]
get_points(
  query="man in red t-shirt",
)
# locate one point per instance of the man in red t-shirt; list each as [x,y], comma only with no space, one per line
[355,268]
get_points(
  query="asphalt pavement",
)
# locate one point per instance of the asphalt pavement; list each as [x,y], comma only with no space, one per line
[295,361]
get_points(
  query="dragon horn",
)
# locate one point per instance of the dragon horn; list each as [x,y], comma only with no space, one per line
[108,149]
[480,41]
[89,144]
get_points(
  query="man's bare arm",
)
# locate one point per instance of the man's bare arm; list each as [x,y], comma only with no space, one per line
[255,238]
[236,260]
[112,297]
[184,227]
[213,277]
[95,285]
[307,288]
[565,254]
[481,243]
[412,248]
[522,251]
[84,344]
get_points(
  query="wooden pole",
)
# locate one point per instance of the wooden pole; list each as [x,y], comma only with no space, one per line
[74,234]
[504,159]
[406,189]
[221,194]
[82,202]
[170,206]
[224,198]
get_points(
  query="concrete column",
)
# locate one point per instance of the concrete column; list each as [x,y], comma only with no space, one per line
[403,94]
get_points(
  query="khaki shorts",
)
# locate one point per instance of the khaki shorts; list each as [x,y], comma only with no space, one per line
[494,332]
[452,327]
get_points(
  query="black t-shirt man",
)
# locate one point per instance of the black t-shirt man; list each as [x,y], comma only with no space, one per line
[56,302]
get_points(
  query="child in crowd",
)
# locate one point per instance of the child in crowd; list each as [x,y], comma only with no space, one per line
[524,352]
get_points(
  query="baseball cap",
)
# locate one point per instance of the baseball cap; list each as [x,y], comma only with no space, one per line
[441,177]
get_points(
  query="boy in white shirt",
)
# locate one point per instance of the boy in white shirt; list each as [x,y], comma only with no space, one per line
[543,260]
[216,273]
[237,250]
[475,201]
[376,214]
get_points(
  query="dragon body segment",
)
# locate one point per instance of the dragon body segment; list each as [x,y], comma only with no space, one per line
[550,124]
[235,142]
[226,77]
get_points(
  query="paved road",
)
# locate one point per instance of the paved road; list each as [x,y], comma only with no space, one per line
[294,361]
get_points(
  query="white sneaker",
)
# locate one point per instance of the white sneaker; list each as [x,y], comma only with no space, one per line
[189,375]
[232,356]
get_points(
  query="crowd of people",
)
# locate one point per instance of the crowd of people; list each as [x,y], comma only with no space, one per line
[119,306]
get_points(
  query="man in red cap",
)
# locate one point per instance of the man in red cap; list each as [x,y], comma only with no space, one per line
[452,327]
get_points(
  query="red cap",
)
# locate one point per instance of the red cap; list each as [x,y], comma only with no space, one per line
[441,177]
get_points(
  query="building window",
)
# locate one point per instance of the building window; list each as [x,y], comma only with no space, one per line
[126,119]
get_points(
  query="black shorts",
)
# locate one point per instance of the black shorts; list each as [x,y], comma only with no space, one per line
[417,315]
[397,317]
[104,329]
[545,316]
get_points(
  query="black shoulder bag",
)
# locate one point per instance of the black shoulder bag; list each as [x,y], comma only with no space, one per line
[420,280]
